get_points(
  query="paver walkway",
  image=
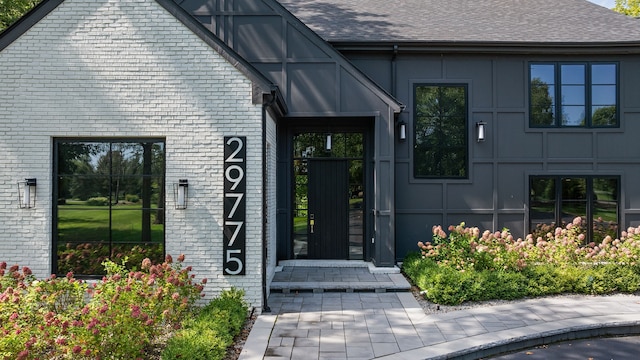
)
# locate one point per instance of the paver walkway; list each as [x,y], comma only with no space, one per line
[392,325]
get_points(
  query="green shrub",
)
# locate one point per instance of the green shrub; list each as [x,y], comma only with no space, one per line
[98,201]
[195,344]
[211,332]
[547,279]
[132,198]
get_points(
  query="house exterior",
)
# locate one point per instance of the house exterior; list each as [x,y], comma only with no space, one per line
[244,133]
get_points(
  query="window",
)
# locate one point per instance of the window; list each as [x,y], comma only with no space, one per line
[110,203]
[573,94]
[557,200]
[440,147]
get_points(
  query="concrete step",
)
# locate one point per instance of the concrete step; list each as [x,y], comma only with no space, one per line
[331,276]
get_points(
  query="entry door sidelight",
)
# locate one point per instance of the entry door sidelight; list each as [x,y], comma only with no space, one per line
[328,220]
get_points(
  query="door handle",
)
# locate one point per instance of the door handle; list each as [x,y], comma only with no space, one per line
[312,221]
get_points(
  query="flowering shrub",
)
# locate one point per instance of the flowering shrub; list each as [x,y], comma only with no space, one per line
[557,261]
[116,318]
[464,249]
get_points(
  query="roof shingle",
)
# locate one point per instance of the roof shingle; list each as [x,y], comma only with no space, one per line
[493,21]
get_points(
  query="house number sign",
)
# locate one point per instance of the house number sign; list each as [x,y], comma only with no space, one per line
[235,209]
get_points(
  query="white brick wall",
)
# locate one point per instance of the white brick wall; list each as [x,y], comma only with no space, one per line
[116,68]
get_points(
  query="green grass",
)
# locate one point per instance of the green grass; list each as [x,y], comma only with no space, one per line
[78,222]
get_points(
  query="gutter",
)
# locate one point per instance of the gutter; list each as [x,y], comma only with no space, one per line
[476,47]
[274,98]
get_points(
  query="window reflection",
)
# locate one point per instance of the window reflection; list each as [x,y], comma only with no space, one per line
[583,94]
[110,196]
[556,201]
[440,148]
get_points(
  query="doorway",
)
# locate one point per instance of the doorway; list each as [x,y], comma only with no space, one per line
[329,196]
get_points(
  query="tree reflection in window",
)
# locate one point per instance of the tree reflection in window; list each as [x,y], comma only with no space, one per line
[440,147]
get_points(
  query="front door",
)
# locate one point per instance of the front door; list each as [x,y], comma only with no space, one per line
[328,209]
[328,217]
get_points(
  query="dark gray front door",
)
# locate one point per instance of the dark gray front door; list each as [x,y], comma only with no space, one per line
[328,209]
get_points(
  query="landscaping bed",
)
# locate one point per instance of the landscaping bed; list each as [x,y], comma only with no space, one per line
[469,265]
[130,314]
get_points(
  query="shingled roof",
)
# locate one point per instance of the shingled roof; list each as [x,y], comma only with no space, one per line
[467,21]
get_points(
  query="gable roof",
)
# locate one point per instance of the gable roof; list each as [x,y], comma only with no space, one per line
[465,21]
[261,85]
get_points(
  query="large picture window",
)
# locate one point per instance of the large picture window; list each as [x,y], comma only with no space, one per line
[557,200]
[573,94]
[440,146]
[110,203]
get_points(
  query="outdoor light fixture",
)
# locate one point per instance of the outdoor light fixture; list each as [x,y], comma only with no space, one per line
[329,142]
[480,129]
[181,194]
[27,193]
[402,130]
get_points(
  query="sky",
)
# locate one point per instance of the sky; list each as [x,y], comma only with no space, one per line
[606,3]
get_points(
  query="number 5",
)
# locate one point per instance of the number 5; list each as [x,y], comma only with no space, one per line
[236,260]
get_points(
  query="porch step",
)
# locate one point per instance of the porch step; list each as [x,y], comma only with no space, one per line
[329,276]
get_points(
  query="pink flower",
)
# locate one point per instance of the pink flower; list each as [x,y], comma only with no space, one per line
[168,259]
[103,309]
[135,311]
[181,258]
[26,270]
[146,263]
[77,349]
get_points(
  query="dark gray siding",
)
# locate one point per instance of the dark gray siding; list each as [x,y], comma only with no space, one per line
[496,193]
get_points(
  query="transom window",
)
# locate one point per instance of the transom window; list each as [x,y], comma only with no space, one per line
[110,203]
[440,123]
[573,94]
[556,200]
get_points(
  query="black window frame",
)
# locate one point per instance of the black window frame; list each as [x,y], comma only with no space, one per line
[588,101]
[57,177]
[590,200]
[465,131]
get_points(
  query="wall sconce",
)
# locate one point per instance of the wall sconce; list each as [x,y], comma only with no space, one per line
[402,130]
[27,193]
[480,130]
[181,194]
[328,147]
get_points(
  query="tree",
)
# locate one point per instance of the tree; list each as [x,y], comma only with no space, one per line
[628,7]
[12,10]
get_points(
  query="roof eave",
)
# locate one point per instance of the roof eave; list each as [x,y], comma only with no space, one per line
[22,25]
[477,47]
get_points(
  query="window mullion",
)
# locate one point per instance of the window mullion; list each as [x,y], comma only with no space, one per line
[590,205]
[557,102]
[558,182]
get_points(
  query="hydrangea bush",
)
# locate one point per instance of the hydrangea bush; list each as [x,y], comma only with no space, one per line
[467,264]
[115,318]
